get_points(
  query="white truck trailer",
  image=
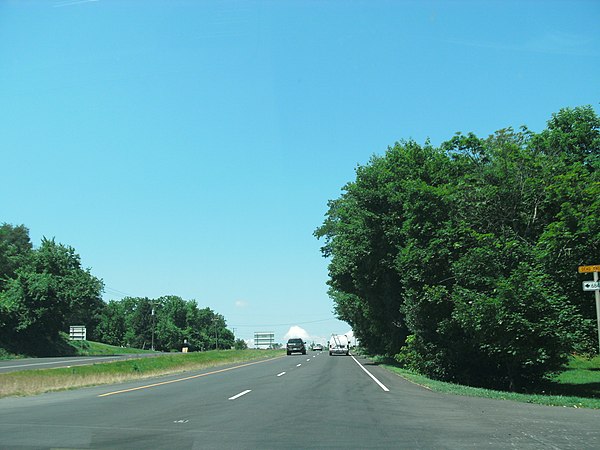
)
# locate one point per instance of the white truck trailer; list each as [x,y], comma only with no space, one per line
[339,345]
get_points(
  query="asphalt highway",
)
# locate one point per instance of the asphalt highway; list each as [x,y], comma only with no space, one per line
[291,402]
[15,365]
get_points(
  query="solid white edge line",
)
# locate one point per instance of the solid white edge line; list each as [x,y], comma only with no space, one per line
[240,394]
[381,385]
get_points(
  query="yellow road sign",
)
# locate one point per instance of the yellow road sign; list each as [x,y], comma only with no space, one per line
[587,269]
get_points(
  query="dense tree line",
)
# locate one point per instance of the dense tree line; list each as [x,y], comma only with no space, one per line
[44,290]
[461,260]
[167,323]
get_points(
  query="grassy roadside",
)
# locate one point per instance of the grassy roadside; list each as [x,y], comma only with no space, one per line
[91,348]
[66,347]
[32,382]
[577,387]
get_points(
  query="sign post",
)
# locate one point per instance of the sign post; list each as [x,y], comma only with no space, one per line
[593,286]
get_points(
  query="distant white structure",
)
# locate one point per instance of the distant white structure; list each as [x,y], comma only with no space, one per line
[264,339]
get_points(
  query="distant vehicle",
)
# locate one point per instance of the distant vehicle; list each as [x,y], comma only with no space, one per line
[317,348]
[295,345]
[339,345]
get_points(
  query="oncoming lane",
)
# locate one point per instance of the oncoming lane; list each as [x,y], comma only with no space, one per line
[15,365]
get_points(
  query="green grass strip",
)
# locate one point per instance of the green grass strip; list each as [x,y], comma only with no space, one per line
[542,399]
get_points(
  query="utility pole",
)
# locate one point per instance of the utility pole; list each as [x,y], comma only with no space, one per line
[152,326]
[215,321]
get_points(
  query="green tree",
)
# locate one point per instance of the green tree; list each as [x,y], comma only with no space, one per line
[521,332]
[467,254]
[240,344]
[223,338]
[572,198]
[111,326]
[128,322]
[15,249]
[383,220]
[139,321]
[45,292]
[171,323]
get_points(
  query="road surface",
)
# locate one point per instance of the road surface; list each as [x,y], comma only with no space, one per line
[291,402]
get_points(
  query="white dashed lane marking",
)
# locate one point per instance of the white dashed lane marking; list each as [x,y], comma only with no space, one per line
[235,397]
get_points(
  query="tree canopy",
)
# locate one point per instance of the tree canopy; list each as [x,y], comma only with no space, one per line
[462,260]
[44,290]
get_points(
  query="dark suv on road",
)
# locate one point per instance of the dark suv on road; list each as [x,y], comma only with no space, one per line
[296,345]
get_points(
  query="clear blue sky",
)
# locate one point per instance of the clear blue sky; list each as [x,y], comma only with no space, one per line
[190,147]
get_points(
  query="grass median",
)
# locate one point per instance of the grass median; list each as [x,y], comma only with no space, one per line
[577,387]
[32,382]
